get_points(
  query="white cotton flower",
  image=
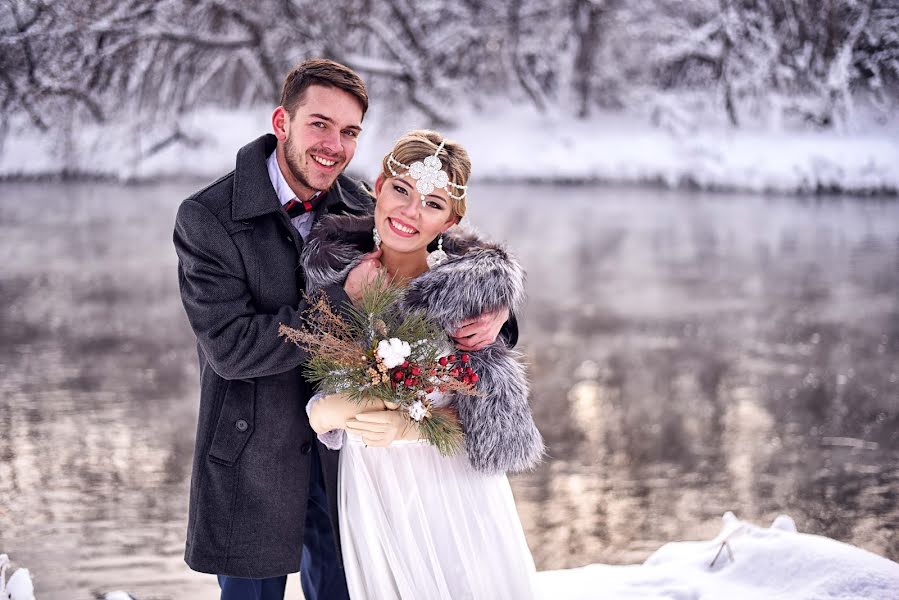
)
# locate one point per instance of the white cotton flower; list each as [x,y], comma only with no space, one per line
[393,352]
[417,410]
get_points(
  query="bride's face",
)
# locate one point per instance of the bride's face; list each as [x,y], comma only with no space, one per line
[404,223]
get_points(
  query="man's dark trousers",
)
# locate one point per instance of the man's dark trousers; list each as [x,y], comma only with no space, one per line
[320,575]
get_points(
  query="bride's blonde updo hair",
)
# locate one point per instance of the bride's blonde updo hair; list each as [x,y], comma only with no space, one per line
[421,143]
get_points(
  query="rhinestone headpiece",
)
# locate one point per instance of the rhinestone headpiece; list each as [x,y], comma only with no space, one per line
[428,175]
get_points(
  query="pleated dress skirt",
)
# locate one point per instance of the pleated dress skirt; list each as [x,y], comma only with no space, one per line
[416,525]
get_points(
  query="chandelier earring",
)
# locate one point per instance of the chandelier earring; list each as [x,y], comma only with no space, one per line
[438,256]
[376,236]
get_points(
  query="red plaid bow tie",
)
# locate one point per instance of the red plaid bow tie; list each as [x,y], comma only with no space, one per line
[295,208]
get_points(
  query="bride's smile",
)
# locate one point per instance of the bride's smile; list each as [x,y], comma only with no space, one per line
[401,228]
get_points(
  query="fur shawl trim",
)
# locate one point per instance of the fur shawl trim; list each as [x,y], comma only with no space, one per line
[500,434]
[477,277]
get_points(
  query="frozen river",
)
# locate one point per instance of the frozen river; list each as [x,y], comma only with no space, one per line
[690,354]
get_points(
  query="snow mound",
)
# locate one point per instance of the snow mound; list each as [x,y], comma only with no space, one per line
[19,586]
[743,562]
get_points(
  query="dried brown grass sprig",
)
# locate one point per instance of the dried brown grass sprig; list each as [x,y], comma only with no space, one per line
[326,334]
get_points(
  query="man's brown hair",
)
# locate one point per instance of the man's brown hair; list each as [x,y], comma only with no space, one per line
[320,71]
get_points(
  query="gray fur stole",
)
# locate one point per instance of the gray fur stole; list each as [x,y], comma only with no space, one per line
[500,434]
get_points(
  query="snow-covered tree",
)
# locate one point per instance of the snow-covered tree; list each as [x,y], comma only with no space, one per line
[753,62]
[771,59]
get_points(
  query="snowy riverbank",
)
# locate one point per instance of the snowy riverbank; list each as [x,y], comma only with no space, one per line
[509,145]
[743,562]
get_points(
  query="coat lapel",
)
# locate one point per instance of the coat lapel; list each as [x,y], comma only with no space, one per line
[254,195]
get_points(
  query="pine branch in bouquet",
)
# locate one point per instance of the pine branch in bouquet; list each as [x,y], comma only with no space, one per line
[380,301]
[442,430]
[379,316]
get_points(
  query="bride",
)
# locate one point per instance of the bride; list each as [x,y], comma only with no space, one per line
[414,523]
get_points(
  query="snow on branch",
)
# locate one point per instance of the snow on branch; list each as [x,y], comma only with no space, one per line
[751,62]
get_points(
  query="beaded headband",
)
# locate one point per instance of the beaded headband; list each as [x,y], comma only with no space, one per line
[428,175]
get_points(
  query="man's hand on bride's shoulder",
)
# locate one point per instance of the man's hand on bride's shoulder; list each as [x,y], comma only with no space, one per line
[363,274]
[481,331]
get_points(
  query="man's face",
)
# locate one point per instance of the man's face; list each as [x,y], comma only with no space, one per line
[318,140]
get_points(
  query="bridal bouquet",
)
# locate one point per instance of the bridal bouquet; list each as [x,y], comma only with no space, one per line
[380,351]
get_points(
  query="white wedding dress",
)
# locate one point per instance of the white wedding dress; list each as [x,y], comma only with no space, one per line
[417,525]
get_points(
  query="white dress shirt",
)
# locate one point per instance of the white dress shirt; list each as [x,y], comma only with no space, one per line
[303,222]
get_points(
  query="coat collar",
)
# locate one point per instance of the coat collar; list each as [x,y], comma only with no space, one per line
[340,240]
[254,195]
[253,191]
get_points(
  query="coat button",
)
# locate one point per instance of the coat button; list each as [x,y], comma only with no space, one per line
[289,239]
[306,448]
[241,425]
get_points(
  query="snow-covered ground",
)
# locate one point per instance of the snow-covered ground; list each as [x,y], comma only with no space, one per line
[756,563]
[512,144]
[19,586]
[743,562]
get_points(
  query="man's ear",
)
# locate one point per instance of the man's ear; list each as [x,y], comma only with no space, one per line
[379,183]
[280,123]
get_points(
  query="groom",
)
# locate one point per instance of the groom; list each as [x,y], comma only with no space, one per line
[262,486]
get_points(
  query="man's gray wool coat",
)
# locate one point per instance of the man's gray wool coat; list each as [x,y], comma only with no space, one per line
[240,276]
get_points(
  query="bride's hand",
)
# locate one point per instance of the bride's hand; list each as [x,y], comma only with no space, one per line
[331,411]
[380,428]
[363,274]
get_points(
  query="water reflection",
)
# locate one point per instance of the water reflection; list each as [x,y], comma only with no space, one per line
[690,354]
[714,348]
